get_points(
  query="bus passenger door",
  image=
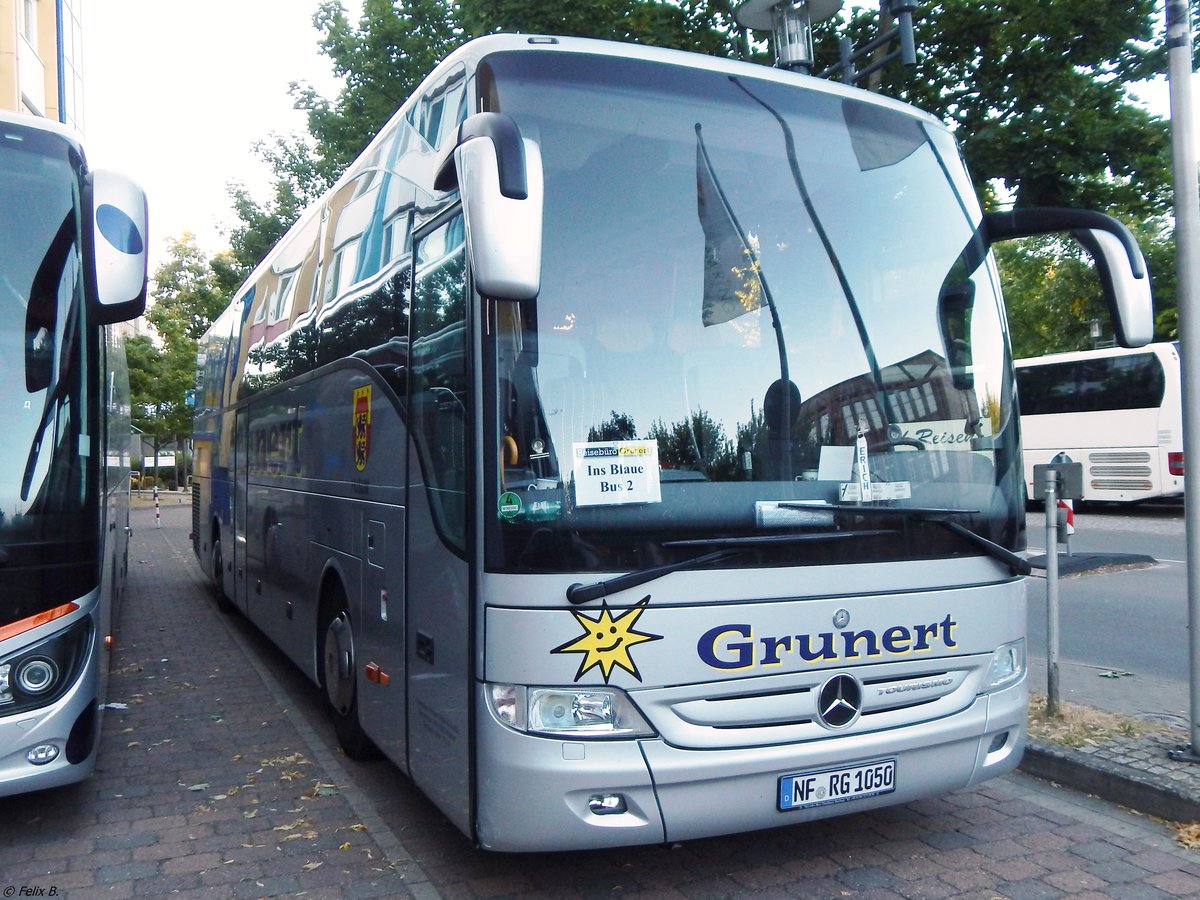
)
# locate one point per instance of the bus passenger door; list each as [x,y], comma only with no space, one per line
[241,469]
[437,595]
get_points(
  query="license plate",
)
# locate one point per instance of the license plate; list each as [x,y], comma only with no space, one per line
[808,789]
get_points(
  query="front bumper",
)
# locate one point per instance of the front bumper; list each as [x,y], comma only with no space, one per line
[533,793]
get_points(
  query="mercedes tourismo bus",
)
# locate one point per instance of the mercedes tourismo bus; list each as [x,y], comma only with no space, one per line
[1117,411]
[627,446]
[72,263]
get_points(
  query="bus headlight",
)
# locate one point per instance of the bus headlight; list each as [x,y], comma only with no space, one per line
[37,675]
[41,673]
[1008,666]
[568,712]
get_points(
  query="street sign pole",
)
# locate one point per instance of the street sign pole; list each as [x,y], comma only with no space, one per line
[1051,498]
[1187,267]
[1057,481]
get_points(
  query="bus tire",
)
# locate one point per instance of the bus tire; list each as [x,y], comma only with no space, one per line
[338,669]
[217,570]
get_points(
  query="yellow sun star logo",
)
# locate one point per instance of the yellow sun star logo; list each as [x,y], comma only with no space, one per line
[606,641]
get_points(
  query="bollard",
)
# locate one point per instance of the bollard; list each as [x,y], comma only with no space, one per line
[1052,594]
[157,519]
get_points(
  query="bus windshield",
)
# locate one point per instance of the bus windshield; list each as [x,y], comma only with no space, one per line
[771,282]
[48,496]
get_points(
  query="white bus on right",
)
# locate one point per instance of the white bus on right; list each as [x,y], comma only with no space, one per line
[1118,412]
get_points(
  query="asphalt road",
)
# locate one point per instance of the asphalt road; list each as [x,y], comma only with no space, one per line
[219,777]
[1123,632]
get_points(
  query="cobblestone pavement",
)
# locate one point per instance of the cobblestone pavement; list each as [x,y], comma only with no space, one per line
[1141,770]
[218,776]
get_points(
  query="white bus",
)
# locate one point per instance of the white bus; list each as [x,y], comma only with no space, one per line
[72,262]
[627,446]
[1117,411]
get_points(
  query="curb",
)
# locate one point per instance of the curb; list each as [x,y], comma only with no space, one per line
[1115,783]
[1080,563]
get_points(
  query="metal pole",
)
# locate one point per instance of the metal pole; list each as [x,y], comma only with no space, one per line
[1187,266]
[1052,710]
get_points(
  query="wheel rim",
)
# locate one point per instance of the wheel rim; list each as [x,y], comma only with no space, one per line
[339,663]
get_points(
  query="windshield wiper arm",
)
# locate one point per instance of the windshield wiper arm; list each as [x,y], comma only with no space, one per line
[761,540]
[1019,564]
[913,512]
[582,593]
[940,516]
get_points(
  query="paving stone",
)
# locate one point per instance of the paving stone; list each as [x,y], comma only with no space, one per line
[210,703]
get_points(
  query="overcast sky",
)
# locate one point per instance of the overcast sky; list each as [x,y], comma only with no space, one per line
[178,91]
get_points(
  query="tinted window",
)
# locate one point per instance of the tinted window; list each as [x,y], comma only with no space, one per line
[1092,385]
[440,388]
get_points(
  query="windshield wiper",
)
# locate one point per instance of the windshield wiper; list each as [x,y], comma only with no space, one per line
[759,540]
[937,515]
[1019,564]
[581,593]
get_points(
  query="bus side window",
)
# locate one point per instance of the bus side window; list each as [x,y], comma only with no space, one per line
[438,379]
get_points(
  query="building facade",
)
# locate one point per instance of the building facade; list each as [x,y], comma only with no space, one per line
[41,59]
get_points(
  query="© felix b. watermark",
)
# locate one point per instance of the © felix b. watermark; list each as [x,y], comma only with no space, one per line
[30,890]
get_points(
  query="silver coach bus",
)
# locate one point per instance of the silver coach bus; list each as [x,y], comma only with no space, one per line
[72,261]
[627,446]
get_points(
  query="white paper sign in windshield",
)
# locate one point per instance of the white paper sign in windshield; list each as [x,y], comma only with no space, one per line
[614,472]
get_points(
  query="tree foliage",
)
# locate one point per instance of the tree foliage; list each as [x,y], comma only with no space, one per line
[187,293]
[1036,92]
[702,26]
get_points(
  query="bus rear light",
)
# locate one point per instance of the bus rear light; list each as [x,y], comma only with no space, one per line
[1175,463]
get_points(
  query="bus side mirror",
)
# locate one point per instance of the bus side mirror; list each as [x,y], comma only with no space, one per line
[955,303]
[1126,291]
[499,176]
[115,251]
[1119,261]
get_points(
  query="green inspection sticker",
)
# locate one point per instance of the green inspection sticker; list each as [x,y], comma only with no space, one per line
[509,505]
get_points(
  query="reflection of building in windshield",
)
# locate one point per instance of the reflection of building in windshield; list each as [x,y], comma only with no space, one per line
[919,389]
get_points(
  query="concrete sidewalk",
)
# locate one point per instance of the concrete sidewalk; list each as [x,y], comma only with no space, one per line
[1147,769]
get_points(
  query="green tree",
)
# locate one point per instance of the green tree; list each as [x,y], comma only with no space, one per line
[301,175]
[1035,92]
[381,59]
[188,291]
[618,427]
[703,26]
[1037,95]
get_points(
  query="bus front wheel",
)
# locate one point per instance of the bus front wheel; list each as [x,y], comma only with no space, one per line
[217,569]
[338,666]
